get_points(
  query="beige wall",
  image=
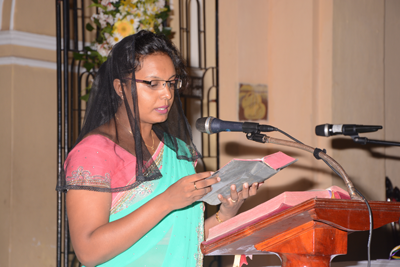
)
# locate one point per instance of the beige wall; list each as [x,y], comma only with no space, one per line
[285,45]
[34,17]
[324,62]
[358,87]
[28,136]
[6,163]
[6,15]
[28,153]
[392,88]
[41,12]
[366,89]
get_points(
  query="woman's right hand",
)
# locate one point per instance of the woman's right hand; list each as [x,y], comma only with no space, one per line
[189,189]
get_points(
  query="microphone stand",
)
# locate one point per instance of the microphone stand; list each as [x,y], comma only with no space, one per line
[319,154]
[365,140]
[262,138]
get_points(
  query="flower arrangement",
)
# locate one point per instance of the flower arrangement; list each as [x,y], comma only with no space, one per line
[117,19]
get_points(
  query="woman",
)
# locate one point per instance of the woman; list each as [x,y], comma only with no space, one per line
[134,160]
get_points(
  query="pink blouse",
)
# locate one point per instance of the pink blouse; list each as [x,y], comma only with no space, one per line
[98,161]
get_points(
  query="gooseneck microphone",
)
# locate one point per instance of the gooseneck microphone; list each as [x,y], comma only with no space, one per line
[211,125]
[345,129]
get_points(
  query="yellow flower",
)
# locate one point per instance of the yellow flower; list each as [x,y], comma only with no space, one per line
[124,28]
[128,4]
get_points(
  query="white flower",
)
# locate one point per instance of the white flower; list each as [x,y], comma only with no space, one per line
[160,4]
[127,18]
[94,16]
[134,21]
[123,9]
[103,49]
[139,14]
[151,9]
[103,23]
[115,38]
[110,7]
[110,19]
[103,19]
[118,17]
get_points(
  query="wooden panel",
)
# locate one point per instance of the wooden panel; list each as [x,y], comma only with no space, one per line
[353,215]
[309,238]
[307,244]
[349,215]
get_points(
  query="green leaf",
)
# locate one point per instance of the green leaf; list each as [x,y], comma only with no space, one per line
[88,66]
[85,97]
[108,30]
[167,31]
[111,12]
[99,6]
[103,59]
[163,15]
[78,56]
[88,48]
[89,27]
[116,5]
[100,39]
[96,55]
[97,22]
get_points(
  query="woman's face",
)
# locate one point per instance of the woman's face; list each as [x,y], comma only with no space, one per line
[155,101]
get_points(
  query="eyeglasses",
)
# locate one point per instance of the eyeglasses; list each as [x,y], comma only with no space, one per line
[160,84]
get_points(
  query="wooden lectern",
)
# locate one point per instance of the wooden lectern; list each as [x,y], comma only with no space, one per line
[308,234]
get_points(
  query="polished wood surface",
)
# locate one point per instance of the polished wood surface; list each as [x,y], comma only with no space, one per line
[309,234]
[313,243]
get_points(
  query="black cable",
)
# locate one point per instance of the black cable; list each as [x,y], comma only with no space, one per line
[333,169]
[358,192]
[369,213]
[291,137]
[370,227]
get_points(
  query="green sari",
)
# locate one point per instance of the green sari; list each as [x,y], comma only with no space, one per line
[175,240]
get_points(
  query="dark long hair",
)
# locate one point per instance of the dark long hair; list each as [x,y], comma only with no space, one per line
[125,59]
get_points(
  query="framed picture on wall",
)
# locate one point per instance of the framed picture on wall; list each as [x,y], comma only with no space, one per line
[253,102]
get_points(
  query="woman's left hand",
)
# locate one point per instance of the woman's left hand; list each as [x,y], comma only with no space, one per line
[230,205]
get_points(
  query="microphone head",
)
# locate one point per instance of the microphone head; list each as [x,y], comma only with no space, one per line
[322,130]
[203,124]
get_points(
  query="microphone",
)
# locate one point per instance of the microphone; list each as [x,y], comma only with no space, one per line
[345,129]
[212,125]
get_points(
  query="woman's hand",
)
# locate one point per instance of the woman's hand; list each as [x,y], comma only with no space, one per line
[189,189]
[230,206]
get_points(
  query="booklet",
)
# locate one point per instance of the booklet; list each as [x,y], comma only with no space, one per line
[240,171]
